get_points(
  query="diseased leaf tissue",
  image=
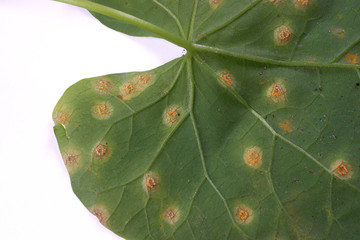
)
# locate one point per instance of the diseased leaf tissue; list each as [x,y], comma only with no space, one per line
[254,134]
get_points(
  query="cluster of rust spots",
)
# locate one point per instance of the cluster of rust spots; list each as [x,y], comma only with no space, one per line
[338,32]
[101,213]
[302,4]
[243,214]
[172,115]
[286,126]
[144,79]
[101,151]
[71,161]
[282,35]
[277,92]
[214,3]
[341,169]
[226,78]
[103,85]
[352,58]
[151,182]
[171,215]
[62,118]
[102,111]
[253,157]
[128,88]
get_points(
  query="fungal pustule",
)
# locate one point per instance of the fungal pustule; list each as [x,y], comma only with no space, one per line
[253,157]
[342,169]
[151,182]
[302,4]
[102,110]
[282,35]
[226,79]
[277,92]
[171,215]
[243,214]
[214,3]
[101,213]
[71,160]
[144,79]
[102,85]
[102,151]
[286,125]
[172,115]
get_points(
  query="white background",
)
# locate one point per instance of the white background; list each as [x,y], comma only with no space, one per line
[45,47]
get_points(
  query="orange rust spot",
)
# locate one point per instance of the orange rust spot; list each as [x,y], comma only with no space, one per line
[102,109]
[103,85]
[243,214]
[285,34]
[70,158]
[226,78]
[352,58]
[214,3]
[101,214]
[303,2]
[277,92]
[128,88]
[171,215]
[172,115]
[286,126]
[100,150]
[342,169]
[62,117]
[282,35]
[340,33]
[150,183]
[143,79]
[253,157]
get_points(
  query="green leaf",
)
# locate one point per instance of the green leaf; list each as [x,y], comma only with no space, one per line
[254,134]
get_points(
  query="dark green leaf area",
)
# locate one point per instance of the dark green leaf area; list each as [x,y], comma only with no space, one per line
[254,134]
[302,31]
[171,15]
[216,148]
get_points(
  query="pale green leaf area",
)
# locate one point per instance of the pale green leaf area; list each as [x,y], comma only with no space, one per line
[253,134]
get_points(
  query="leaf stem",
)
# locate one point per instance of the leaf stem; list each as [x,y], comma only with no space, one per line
[110,12]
